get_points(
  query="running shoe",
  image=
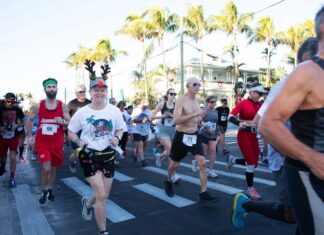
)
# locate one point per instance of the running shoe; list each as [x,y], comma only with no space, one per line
[86,212]
[33,157]
[22,159]
[2,169]
[205,197]
[158,160]
[50,195]
[253,194]
[230,161]
[43,198]
[143,163]
[72,165]
[212,173]
[225,152]
[238,212]
[194,166]
[12,183]
[104,233]
[154,152]
[175,178]
[168,188]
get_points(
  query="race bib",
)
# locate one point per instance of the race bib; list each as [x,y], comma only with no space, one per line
[223,118]
[189,140]
[8,134]
[49,129]
[168,122]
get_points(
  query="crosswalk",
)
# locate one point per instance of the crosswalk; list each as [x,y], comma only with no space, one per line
[147,188]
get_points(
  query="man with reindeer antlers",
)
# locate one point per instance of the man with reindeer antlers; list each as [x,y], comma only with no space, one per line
[102,129]
[53,116]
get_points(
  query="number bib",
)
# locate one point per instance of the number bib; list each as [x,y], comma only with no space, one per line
[223,118]
[168,121]
[189,140]
[49,129]
[8,134]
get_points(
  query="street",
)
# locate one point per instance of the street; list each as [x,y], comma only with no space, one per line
[137,204]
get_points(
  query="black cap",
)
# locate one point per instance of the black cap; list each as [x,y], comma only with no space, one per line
[10,95]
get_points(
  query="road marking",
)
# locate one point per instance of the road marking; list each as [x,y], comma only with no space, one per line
[121,177]
[243,167]
[237,176]
[159,193]
[32,219]
[113,212]
[212,185]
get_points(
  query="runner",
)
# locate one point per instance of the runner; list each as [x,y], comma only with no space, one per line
[73,106]
[122,105]
[302,100]
[11,117]
[223,112]
[186,116]
[246,136]
[281,210]
[102,128]
[53,116]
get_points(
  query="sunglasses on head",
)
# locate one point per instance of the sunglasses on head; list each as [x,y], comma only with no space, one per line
[173,94]
[196,84]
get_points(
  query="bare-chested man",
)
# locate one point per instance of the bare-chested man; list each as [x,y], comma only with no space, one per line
[187,115]
[53,115]
[302,101]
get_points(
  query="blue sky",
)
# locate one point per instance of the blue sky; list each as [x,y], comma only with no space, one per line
[37,35]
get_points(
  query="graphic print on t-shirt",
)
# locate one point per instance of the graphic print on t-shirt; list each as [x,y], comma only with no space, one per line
[100,128]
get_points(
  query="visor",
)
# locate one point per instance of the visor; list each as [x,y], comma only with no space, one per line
[258,89]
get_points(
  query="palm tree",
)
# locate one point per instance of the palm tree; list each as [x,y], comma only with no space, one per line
[162,22]
[104,53]
[232,23]
[264,32]
[195,26]
[295,35]
[138,28]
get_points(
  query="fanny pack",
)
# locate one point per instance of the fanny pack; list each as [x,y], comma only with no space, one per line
[251,129]
[90,157]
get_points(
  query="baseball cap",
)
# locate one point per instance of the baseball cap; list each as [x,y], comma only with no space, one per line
[98,82]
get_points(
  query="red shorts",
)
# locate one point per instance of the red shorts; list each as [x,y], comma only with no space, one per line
[12,144]
[249,146]
[50,151]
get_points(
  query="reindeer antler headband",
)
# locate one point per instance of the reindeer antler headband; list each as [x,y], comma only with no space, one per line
[94,80]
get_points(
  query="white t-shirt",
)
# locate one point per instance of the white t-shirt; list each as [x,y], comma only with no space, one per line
[142,128]
[128,121]
[98,126]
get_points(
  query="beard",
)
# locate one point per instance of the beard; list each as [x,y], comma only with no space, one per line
[51,94]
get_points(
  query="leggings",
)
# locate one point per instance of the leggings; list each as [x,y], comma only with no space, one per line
[306,193]
[249,147]
[123,141]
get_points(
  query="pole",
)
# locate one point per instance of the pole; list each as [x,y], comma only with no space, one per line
[181,56]
[64,95]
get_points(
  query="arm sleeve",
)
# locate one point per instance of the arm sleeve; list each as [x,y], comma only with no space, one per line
[234,120]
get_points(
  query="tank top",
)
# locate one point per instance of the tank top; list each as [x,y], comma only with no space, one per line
[48,128]
[308,127]
[167,121]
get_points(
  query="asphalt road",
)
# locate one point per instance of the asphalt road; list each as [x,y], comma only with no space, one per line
[137,202]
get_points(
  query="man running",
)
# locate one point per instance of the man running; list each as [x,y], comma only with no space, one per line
[186,116]
[11,117]
[302,100]
[223,112]
[53,116]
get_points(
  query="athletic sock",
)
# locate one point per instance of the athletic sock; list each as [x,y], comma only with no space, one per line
[21,151]
[249,178]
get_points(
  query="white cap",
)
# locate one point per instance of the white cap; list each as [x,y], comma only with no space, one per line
[258,88]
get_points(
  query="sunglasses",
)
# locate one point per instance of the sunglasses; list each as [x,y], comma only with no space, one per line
[10,101]
[224,100]
[212,102]
[196,84]
[81,92]
[173,94]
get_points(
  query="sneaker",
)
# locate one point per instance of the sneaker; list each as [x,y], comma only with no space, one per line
[225,152]
[12,183]
[212,173]
[175,178]
[86,212]
[158,160]
[72,165]
[43,199]
[2,169]
[253,194]
[50,195]
[206,197]
[104,233]
[33,157]
[168,188]
[238,212]
[144,163]
[154,152]
[230,161]
[265,161]
[194,166]
[21,159]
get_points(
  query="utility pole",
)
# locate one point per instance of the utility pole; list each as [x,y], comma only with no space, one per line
[181,56]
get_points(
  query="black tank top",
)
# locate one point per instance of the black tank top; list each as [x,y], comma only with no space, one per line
[308,127]
[166,109]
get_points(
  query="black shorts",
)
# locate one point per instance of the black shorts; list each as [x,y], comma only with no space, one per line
[179,150]
[205,140]
[94,161]
[222,129]
[138,137]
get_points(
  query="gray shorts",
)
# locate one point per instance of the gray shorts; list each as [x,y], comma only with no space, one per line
[166,131]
